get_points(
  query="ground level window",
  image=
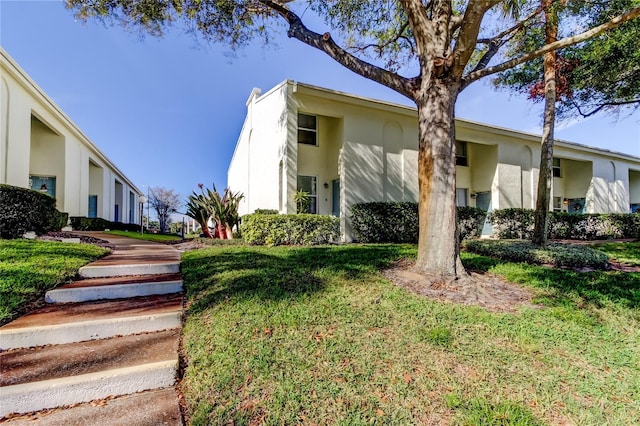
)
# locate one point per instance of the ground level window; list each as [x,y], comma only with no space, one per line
[461,197]
[44,184]
[309,185]
[557,204]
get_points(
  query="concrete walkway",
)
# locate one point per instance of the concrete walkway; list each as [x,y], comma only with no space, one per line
[105,348]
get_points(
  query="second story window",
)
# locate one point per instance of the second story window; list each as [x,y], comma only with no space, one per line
[557,172]
[461,154]
[307,129]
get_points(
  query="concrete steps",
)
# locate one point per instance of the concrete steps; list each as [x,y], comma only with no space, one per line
[149,408]
[119,336]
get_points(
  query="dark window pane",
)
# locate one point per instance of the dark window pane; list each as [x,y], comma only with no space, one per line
[307,121]
[307,137]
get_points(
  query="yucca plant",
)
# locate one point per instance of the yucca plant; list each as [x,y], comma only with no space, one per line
[223,209]
[198,208]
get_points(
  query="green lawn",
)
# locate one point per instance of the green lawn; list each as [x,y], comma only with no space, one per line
[29,268]
[622,252]
[158,238]
[318,336]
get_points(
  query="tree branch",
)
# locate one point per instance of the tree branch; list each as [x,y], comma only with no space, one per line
[324,42]
[467,39]
[499,40]
[518,26]
[398,36]
[602,106]
[560,44]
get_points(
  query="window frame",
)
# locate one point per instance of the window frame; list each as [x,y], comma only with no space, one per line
[313,206]
[465,201]
[309,130]
[556,170]
[462,158]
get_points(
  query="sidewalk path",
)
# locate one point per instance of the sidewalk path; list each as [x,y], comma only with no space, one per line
[105,349]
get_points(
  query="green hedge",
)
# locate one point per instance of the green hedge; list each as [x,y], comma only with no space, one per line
[24,210]
[81,223]
[289,229]
[560,255]
[397,222]
[518,223]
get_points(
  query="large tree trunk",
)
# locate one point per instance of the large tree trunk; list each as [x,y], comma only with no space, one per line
[438,245]
[545,178]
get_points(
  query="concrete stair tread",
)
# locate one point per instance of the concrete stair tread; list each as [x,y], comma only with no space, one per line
[88,311]
[131,279]
[150,408]
[139,256]
[18,366]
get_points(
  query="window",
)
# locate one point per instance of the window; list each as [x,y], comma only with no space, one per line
[309,185]
[461,154]
[557,204]
[461,197]
[44,184]
[307,129]
[556,168]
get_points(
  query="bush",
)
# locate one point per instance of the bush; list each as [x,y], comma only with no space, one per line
[512,223]
[518,223]
[265,211]
[289,229]
[24,210]
[556,254]
[397,222]
[81,223]
[470,221]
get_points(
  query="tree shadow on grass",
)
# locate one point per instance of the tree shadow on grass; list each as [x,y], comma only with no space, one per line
[213,275]
[596,288]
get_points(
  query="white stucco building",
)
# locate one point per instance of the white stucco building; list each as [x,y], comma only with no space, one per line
[42,149]
[345,149]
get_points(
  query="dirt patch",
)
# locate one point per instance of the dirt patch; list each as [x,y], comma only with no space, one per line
[485,290]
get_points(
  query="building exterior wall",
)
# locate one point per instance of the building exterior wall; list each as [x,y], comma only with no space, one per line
[634,186]
[38,139]
[370,147]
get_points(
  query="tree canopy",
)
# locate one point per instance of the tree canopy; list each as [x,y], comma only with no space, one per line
[601,74]
[427,50]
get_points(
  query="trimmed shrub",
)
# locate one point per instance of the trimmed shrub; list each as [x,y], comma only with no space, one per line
[397,222]
[24,210]
[512,223]
[81,223]
[470,221]
[265,211]
[560,255]
[385,222]
[518,223]
[289,229]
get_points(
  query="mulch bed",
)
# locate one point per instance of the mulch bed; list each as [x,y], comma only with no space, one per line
[58,236]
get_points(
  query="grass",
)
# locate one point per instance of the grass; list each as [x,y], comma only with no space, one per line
[318,336]
[622,252]
[158,238]
[29,268]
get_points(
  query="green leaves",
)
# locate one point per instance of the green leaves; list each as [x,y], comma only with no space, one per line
[210,204]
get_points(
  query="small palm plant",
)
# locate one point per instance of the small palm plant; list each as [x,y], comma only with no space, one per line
[303,201]
[223,209]
[198,208]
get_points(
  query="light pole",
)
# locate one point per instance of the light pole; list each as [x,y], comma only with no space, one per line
[143,200]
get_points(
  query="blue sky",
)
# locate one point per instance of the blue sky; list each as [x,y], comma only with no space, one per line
[168,111]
